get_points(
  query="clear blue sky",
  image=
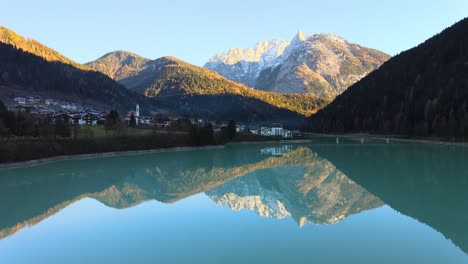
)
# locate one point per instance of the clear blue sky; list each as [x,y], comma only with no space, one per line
[196,30]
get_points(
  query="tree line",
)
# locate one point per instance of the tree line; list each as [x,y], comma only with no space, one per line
[26,136]
[420,92]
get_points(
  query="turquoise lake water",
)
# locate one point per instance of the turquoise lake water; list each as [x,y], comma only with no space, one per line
[315,202]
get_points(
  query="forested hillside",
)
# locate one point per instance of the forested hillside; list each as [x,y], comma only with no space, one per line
[420,92]
[191,90]
[23,72]
[8,36]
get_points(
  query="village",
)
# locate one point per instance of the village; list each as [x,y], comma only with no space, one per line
[77,114]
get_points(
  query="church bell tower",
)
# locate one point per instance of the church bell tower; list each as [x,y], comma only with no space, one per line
[137,113]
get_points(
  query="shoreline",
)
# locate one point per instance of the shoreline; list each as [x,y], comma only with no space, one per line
[383,137]
[302,140]
[35,162]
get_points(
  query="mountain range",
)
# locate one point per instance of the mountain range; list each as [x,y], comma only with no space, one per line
[322,65]
[420,92]
[196,90]
[166,85]
[119,80]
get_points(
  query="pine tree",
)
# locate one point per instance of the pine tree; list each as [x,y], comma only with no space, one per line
[132,120]
[231,130]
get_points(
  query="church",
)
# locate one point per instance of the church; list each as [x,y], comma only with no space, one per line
[135,113]
[140,120]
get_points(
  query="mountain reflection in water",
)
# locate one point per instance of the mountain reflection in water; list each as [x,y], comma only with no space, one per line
[313,183]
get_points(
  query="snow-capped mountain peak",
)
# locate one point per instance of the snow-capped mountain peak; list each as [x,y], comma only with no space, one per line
[264,50]
[246,64]
[300,36]
[322,64]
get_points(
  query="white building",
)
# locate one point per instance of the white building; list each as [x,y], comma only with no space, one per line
[275,130]
[32,99]
[240,128]
[145,120]
[287,133]
[163,122]
[20,100]
[89,119]
[77,119]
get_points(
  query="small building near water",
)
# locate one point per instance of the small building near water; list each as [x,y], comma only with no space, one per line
[90,119]
[275,130]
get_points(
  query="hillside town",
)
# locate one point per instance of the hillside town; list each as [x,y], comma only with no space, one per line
[80,115]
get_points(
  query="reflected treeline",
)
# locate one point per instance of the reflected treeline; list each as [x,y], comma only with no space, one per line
[426,182]
[317,183]
[28,195]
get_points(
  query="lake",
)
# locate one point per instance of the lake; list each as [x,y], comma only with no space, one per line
[314,202]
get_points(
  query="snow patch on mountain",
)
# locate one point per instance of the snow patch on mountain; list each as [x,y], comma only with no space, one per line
[323,64]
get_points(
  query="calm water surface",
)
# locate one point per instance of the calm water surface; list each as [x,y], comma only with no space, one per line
[316,202]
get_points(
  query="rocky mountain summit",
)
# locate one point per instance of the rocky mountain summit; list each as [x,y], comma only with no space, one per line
[245,65]
[322,65]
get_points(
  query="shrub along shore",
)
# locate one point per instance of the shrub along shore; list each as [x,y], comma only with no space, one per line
[32,137]
[17,151]
[25,136]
